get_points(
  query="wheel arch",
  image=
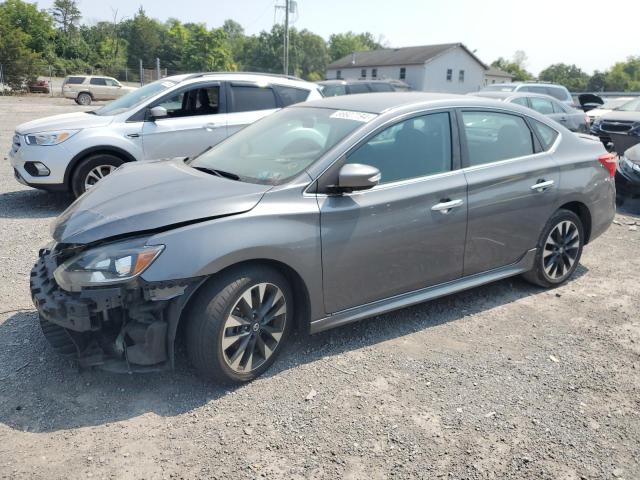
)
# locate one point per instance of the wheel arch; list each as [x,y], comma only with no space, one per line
[583,213]
[87,92]
[105,149]
[300,293]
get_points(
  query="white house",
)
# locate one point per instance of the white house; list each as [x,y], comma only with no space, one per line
[495,75]
[450,67]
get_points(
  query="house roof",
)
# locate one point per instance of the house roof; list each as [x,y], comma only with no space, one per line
[399,56]
[496,72]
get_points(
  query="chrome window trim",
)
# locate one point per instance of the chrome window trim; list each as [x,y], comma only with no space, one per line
[450,109]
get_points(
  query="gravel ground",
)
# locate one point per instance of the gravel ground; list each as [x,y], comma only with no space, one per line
[504,381]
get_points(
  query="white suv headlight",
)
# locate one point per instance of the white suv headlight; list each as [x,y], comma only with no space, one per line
[115,263]
[49,138]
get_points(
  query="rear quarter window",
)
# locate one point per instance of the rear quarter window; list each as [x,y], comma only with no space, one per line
[546,134]
[291,95]
[74,80]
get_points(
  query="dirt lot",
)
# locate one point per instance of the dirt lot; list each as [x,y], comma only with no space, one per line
[504,381]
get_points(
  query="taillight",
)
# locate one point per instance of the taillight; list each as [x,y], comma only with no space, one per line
[609,161]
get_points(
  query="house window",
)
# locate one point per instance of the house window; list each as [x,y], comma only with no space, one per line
[403,73]
[339,74]
[461,76]
[374,73]
[363,73]
[449,74]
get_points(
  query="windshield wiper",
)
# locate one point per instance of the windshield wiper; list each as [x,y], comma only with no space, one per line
[218,173]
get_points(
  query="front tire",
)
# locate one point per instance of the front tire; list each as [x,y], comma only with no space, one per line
[239,323]
[92,170]
[559,250]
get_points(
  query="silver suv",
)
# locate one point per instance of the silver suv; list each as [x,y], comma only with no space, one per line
[322,214]
[558,92]
[177,116]
[86,88]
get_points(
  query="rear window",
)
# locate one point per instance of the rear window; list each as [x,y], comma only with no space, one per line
[358,88]
[247,98]
[291,95]
[557,92]
[98,81]
[546,134]
[334,90]
[380,87]
[75,80]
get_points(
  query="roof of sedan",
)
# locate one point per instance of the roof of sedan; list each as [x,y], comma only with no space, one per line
[381,102]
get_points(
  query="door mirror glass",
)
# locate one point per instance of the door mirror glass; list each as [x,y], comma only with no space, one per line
[158,112]
[355,176]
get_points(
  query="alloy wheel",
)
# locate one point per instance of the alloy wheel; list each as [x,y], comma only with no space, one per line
[561,250]
[253,329]
[96,174]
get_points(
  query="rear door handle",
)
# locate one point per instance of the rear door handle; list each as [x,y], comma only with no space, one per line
[210,126]
[446,206]
[543,185]
[133,135]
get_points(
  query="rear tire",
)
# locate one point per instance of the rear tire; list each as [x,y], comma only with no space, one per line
[239,323]
[84,99]
[558,251]
[91,170]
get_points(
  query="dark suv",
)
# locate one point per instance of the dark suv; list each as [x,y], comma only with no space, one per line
[620,129]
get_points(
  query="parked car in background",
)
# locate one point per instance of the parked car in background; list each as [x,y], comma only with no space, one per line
[39,86]
[284,223]
[622,121]
[332,88]
[573,119]
[607,107]
[86,88]
[628,174]
[177,116]
[558,92]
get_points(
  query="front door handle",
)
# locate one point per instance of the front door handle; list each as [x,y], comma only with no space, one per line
[210,126]
[446,206]
[542,185]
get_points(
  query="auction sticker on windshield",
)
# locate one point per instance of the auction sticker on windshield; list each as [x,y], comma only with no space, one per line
[356,116]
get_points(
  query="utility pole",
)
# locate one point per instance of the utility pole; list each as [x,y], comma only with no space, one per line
[157,68]
[286,37]
[141,74]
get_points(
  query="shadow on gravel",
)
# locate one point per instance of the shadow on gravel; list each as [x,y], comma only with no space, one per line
[33,204]
[631,206]
[43,392]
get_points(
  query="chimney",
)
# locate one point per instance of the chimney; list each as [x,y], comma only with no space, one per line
[353,58]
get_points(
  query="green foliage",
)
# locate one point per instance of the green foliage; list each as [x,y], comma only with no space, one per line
[343,44]
[144,35]
[14,51]
[36,24]
[624,76]
[206,50]
[568,75]
[514,67]
[66,14]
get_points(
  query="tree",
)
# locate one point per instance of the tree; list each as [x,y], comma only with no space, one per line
[66,14]
[144,36]
[308,54]
[20,63]
[207,50]
[570,76]
[36,24]
[343,44]
[624,76]
[515,68]
[597,81]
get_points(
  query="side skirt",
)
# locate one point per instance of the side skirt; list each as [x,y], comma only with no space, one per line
[418,296]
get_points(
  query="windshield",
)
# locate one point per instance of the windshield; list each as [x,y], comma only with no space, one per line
[499,88]
[631,106]
[282,145]
[134,98]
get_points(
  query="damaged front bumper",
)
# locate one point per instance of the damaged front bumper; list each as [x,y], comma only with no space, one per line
[128,327]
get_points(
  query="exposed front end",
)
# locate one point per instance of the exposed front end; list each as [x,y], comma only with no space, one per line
[127,326]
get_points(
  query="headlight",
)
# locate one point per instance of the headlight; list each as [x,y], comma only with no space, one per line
[50,138]
[115,263]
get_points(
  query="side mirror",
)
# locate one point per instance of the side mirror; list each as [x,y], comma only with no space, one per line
[355,176]
[158,112]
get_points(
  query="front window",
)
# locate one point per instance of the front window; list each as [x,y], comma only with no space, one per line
[449,74]
[632,106]
[374,73]
[134,98]
[403,73]
[339,74]
[280,146]
[363,73]
[98,81]
[461,76]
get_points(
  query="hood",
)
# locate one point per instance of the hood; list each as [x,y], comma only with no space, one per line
[65,121]
[143,196]
[590,98]
[620,115]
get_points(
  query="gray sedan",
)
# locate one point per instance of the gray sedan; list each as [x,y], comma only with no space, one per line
[575,120]
[321,214]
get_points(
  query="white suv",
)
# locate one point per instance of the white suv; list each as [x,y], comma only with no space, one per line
[177,116]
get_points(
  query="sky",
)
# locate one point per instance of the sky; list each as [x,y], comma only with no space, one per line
[548,31]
